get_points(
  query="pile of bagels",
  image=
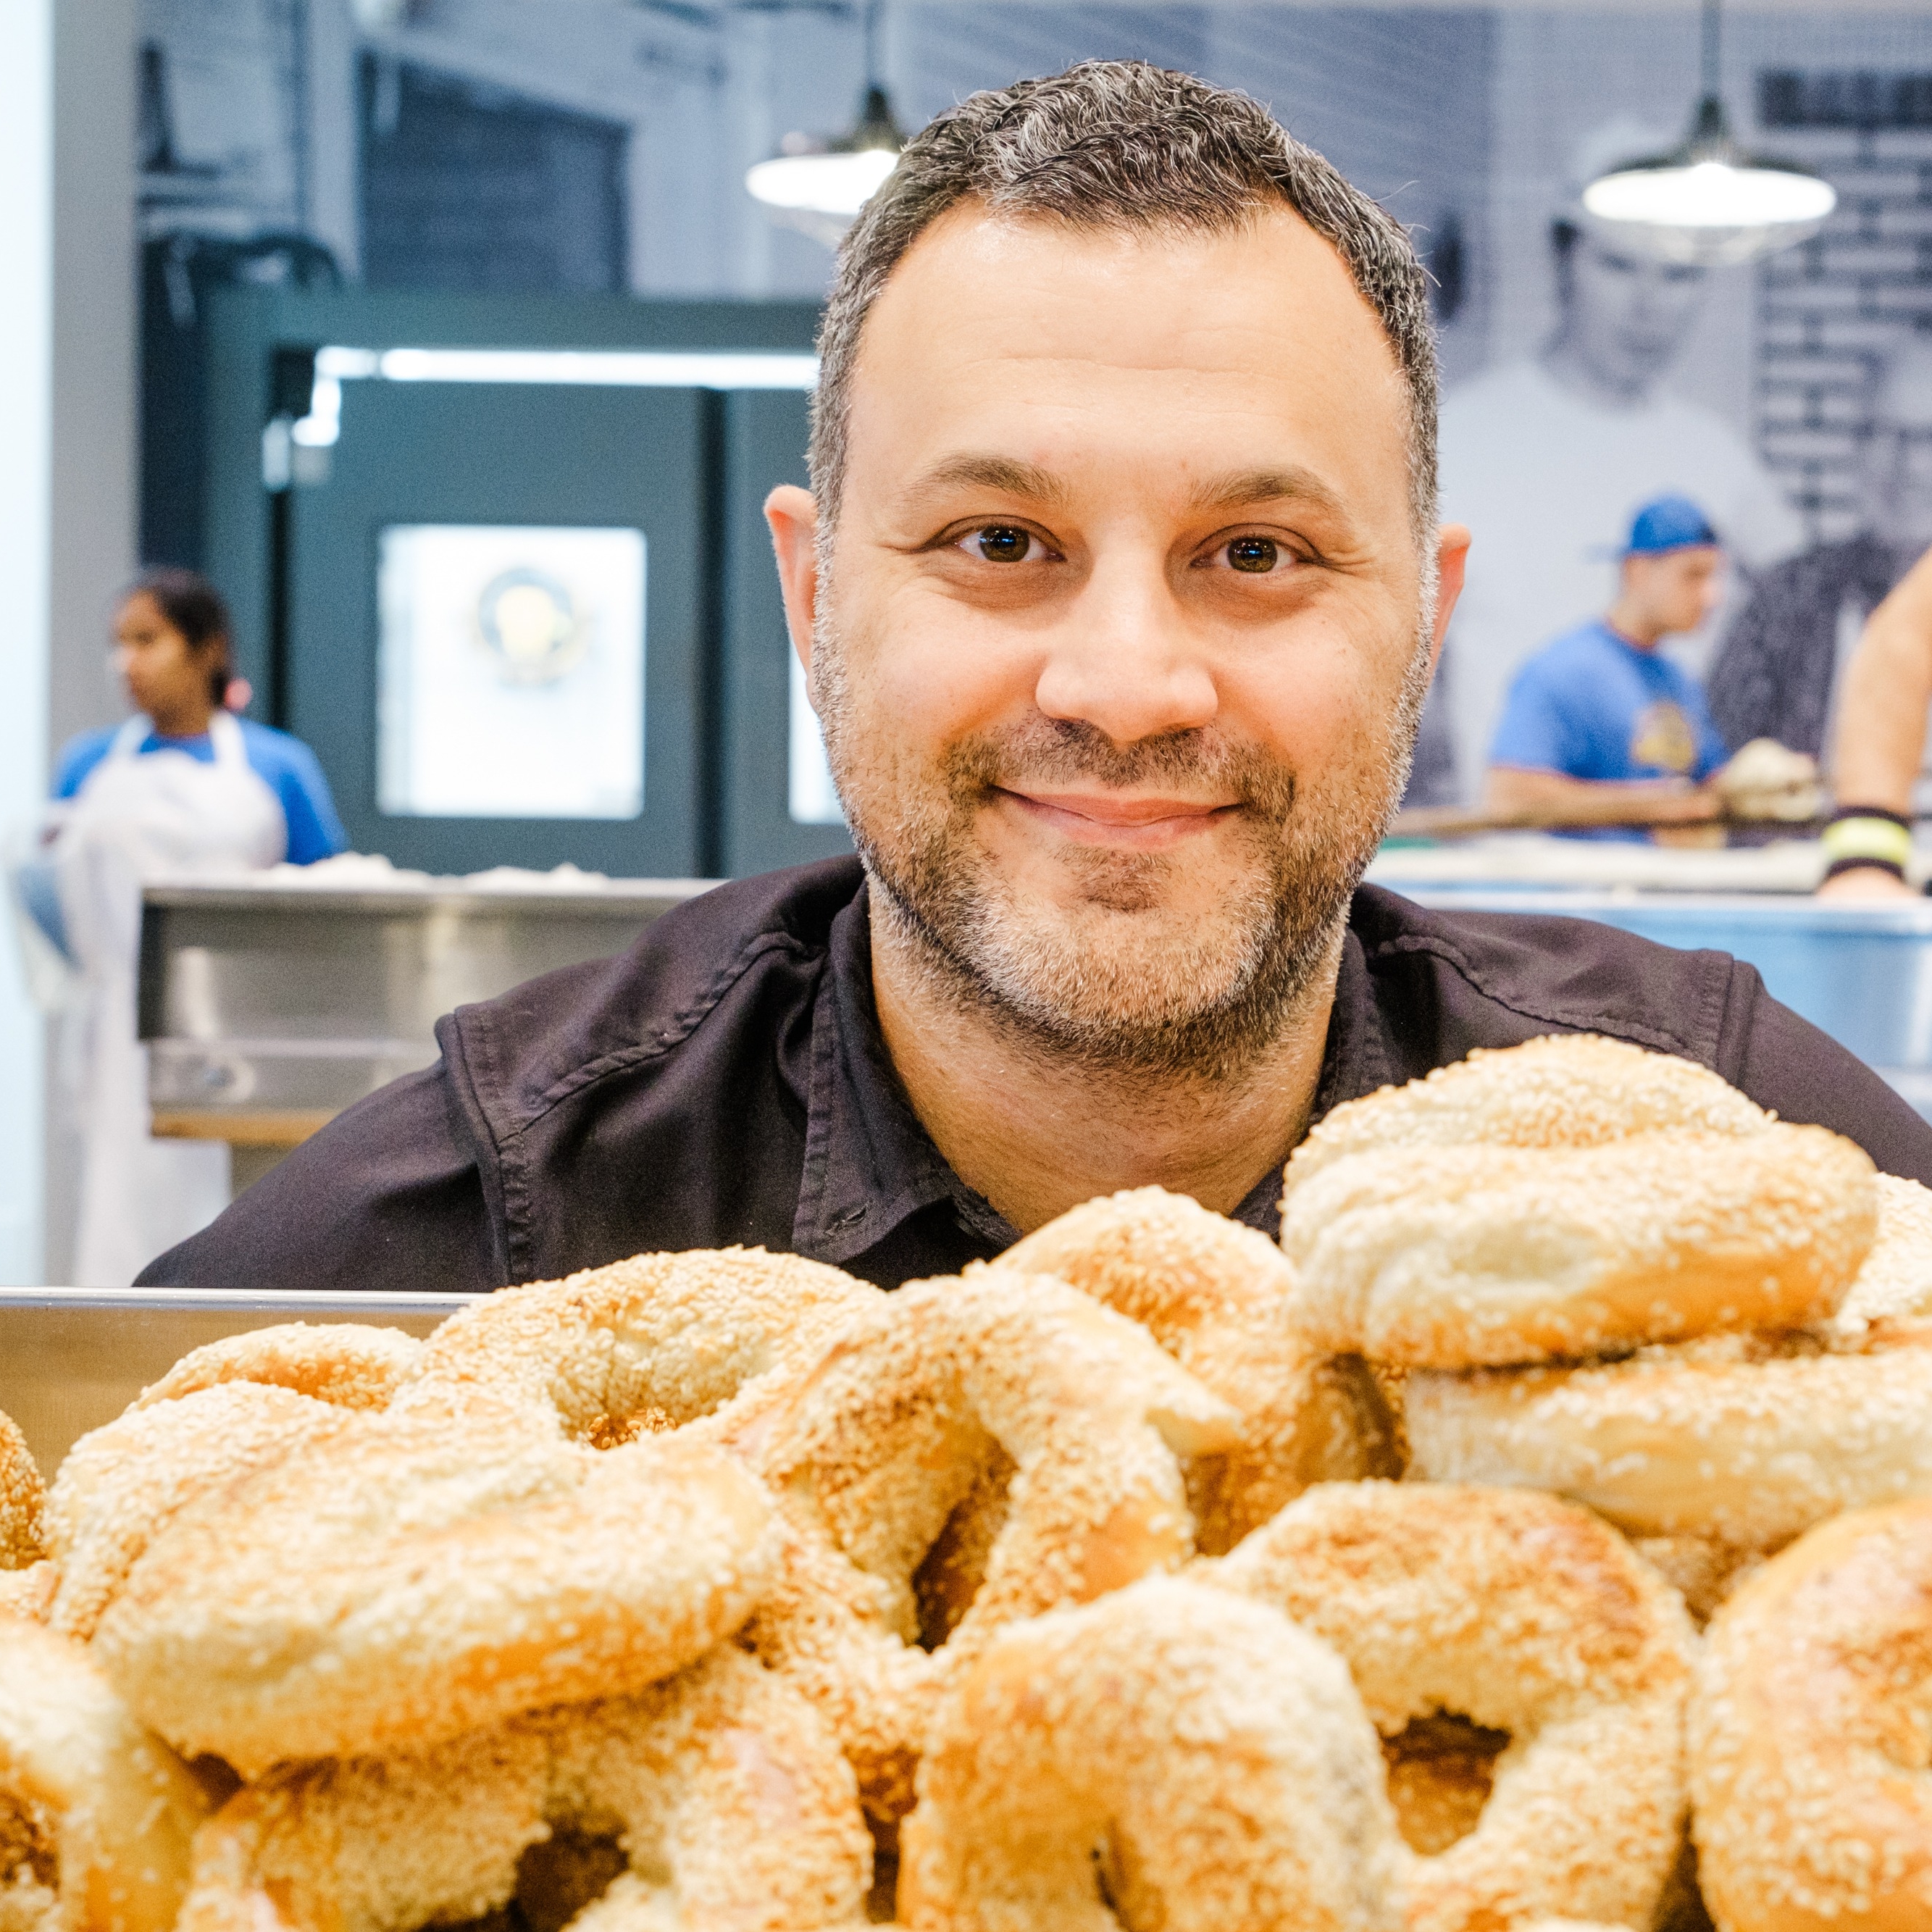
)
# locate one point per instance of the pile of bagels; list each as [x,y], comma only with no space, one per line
[1539,1537]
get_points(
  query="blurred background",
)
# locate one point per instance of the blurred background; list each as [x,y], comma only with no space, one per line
[302,291]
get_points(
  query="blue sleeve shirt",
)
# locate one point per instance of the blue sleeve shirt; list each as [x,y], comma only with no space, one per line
[284,763]
[1593,706]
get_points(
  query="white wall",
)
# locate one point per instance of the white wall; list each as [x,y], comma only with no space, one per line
[26,165]
[94,489]
[67,480]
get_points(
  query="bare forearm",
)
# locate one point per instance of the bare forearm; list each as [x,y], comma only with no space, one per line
[1880,738]
[1510,788]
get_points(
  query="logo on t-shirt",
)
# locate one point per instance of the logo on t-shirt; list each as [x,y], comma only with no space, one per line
[1663,738]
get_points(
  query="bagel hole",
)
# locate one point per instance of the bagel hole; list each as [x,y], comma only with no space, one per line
[882,1901]
[559,1876]
[945,1582]
[1702,1570]
[1441,1768]
[218,1779]
[29,1864]
[1113,1882]
[613,1432]
[1682,1907]
[1374,1430]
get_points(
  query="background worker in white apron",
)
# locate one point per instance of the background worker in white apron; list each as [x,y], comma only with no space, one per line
[184,786]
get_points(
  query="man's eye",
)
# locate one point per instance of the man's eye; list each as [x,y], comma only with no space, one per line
[1256,555]
[1002,543]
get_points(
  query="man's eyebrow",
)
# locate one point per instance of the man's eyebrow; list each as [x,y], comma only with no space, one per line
[973,469]
[1007,475]
[1293,484]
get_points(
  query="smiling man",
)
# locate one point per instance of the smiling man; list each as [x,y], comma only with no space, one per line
[1119,589]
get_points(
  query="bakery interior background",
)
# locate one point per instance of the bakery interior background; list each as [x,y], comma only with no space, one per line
[584,149]
[502,146]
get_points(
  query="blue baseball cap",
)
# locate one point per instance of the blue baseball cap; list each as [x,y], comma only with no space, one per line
[1668,523]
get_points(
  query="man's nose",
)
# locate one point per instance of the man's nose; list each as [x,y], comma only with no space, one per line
[1646,304]
[1124,660]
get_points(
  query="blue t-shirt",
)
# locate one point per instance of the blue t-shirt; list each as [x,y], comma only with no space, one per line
[285,764]
[1593,706]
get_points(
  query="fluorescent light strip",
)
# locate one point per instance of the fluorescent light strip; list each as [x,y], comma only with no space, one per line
[608,368]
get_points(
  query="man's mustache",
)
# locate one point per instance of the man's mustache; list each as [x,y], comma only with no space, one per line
[1051,751]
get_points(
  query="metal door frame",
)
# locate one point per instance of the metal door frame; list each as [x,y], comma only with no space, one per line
[261,349]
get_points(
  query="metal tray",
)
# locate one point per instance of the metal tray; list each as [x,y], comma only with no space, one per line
[72,1358]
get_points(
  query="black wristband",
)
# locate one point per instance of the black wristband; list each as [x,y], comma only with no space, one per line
[1845,812]
[1887,865]
[1867,836]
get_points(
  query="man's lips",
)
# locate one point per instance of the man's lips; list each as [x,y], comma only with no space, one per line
[1119,819]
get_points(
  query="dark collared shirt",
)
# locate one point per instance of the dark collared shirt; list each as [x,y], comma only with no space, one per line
[725,1080]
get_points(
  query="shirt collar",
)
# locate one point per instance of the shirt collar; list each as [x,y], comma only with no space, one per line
[869,1163]
[1353,1064]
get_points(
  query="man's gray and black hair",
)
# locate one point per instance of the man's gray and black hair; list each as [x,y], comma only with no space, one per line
[1122,145]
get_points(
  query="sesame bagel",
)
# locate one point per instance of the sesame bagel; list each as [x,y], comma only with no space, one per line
[655,1342]
[1743,1440]
[716,1800]
[97,1815]
[1487,1254]
[1895,1283]
[406,1576]
[347,1364]
[1564,1090]
[871,1453]
[23,1500]
[1218,1757]
[1215,1295]
[1813,1804]
[122,1483]
[1526,1617]
[221,1412]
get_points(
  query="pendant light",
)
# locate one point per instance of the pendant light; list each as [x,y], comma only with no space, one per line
[837,178]
[1708,201]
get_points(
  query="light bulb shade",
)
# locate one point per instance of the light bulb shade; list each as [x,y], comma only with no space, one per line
[810,178]
[1709,212]
[1707,202]
[827,184]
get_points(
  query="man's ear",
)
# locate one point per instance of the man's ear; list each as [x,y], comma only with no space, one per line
[1452,558]
[792,515]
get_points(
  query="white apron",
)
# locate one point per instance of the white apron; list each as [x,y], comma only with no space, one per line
[136,817]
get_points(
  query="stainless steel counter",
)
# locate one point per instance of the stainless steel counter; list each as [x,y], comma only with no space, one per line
[270,1003]
[270,1006]
[1862,972]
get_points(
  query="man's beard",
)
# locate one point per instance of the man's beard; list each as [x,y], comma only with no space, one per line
[1111,985]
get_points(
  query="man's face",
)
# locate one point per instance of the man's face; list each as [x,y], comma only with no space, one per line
[1626,315]
[1677,589]
[1896,454]
[1118,658]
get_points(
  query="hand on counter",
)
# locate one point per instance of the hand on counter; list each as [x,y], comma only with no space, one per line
[1765,782]
[1867,882]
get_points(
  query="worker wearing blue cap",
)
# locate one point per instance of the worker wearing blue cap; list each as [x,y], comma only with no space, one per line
[1600,706]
